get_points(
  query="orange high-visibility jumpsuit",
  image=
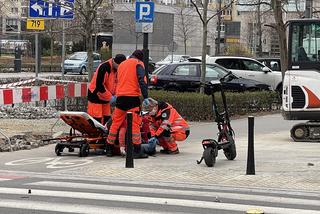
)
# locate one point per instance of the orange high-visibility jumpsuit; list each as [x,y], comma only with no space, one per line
[128,94]
[100,91]
[168,126]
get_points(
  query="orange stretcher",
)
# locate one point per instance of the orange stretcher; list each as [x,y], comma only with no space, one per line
[86,133]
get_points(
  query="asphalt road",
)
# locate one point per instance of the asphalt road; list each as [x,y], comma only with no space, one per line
[47,194]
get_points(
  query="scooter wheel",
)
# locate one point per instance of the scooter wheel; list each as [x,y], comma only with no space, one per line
[84,150]
[209,156]
[231,151]
[58,149]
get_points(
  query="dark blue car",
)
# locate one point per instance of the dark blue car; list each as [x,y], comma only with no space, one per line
[186,77]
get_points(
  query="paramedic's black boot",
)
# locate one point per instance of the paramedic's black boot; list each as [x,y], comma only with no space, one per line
[138,153]
[109,150]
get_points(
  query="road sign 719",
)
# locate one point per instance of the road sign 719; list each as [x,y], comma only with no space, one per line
[35,24]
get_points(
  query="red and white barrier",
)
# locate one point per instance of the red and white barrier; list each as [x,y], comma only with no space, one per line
[10,85]
[40,93]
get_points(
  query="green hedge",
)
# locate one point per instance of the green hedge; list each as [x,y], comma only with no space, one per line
[197,107]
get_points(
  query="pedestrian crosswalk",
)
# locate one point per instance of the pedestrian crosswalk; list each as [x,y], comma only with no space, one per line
[75,196]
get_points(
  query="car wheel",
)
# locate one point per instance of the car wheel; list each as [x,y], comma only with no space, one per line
[83,70]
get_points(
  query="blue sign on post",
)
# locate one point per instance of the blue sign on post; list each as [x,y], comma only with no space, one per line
[48,9]
[144,11]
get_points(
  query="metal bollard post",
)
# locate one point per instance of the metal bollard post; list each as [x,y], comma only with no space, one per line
[129,153]
[250,157]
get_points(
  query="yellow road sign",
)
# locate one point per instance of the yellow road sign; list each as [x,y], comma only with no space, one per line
[35,24]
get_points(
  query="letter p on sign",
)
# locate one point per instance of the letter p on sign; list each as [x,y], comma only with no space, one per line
[144,11]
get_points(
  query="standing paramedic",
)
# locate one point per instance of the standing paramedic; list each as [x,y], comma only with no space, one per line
[101,91]
[131,85]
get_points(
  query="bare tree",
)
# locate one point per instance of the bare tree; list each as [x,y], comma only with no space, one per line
[277,8]
[202,10]
[185,25]
[87,10]
[281,29]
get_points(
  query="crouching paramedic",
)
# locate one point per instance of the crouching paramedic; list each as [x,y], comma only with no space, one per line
[131,85]
[166,127]
[101,90]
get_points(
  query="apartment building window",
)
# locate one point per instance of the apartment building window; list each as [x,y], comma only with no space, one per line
[14,10]
[226,13]
[222,26]
[24,12]
[11,25]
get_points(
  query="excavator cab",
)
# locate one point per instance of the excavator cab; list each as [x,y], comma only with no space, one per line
[301,84]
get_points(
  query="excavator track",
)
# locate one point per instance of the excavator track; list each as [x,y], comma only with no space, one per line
[306,132]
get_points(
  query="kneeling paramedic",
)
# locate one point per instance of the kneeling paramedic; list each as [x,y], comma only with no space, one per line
[131,85]
[166,127]
[102,89]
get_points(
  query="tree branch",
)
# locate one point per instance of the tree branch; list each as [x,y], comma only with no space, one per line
[197,9]
[222,9]
[254,4]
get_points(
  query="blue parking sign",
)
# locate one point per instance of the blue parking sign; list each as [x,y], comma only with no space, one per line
[144,11]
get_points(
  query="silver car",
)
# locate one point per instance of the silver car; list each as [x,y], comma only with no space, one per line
[78,62]
[172,58]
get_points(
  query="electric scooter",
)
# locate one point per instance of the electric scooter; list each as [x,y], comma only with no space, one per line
[226,134]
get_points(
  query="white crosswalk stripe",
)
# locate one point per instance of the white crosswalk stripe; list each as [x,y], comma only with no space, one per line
[176,192]
[148,195]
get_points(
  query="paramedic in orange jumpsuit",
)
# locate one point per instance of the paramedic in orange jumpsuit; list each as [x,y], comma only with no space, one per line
[131,85]
[101,90]
[166,127]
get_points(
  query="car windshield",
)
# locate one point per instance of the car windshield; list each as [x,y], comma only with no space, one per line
[158,70]
[216,71]
[78,56]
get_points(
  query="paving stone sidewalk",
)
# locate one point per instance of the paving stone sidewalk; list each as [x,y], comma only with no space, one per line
[279,164]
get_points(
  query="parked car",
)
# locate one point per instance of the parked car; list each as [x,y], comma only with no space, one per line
[185,76]
[172,58]
[248,68]
[78,62]
[272,63]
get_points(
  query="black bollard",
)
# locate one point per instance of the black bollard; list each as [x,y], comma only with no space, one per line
[250,158]
[129,152]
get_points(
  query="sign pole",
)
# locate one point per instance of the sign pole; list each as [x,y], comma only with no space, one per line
[146,55]
[63,55]
[37,54]
[63,58]
[144,13]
